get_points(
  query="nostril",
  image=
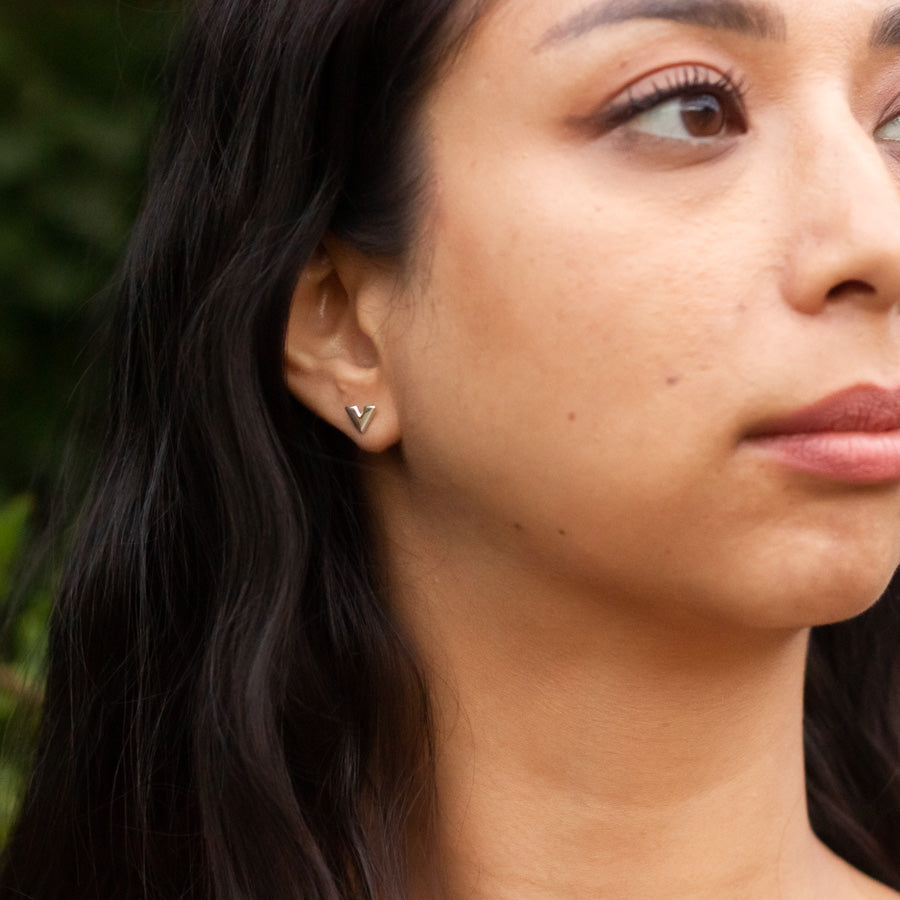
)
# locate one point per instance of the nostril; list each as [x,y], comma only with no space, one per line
[848,288]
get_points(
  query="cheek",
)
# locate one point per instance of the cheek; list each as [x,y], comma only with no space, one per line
[574,379]
[558,335]
[558,306]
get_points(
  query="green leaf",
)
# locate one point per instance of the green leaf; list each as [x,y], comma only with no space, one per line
[14,517]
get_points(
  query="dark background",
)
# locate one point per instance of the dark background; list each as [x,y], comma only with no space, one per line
[81,85]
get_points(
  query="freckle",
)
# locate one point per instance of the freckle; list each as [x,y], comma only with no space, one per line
[571,417]
[562,532]
[742,307]
[517,526]
[672,380]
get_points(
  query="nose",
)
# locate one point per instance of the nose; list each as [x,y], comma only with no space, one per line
[843,204]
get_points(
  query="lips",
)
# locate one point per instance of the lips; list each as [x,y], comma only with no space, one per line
[851,436]
[860,409]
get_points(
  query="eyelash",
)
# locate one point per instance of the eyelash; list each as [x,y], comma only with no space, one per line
[690,81]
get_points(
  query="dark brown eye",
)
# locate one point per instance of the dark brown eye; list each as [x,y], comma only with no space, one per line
[691,104]
[703,116]
[686,116]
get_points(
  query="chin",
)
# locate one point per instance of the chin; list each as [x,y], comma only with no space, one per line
[821,575]
[838,590]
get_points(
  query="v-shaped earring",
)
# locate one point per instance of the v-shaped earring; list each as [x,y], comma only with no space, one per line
[360,418]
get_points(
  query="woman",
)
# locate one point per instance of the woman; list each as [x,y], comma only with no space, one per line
[503,391]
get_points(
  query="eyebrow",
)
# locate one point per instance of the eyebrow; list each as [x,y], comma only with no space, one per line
[886,30]
[749,18]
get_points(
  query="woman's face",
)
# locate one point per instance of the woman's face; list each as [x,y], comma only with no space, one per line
[656,227]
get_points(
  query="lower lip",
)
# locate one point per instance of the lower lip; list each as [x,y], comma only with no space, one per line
[854,457]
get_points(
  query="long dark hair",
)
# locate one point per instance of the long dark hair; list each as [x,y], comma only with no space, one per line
[230,711]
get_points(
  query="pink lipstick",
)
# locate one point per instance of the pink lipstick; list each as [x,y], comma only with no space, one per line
[851,436]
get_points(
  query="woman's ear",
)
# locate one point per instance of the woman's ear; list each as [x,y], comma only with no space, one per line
[331,362]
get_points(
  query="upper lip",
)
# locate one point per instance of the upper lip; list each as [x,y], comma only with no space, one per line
[862,408]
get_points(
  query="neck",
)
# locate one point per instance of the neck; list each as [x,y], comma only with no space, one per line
[587,747]
[573,775]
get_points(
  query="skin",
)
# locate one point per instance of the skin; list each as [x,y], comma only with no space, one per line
[610,585]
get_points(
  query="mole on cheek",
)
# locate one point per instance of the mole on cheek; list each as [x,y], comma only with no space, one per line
[571,417]
[672,380]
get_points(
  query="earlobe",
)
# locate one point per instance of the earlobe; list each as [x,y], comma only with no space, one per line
[331,364]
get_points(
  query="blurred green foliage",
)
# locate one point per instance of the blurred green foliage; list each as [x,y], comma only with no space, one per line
[20,670]
[80,89]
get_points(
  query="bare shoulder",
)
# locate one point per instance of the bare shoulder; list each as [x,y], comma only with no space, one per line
[865,888]
[875,890]
[847,883]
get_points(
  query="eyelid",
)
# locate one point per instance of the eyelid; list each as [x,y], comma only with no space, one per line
[892,113]
[666,84]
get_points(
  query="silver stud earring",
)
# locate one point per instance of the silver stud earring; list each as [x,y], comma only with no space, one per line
[360,418]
